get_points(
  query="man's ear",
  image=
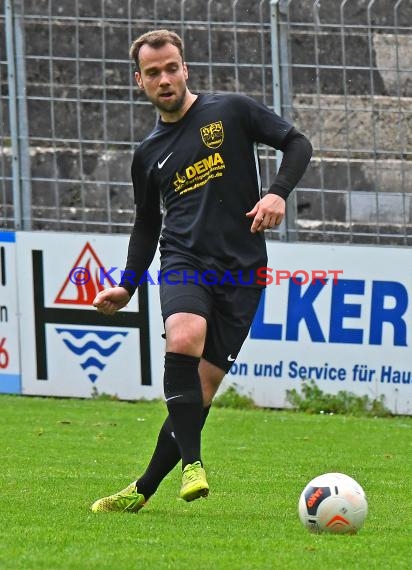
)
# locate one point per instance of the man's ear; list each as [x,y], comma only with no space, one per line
[185,71]
[138,79]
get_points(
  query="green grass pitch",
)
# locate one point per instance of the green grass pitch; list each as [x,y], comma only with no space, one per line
[58,456]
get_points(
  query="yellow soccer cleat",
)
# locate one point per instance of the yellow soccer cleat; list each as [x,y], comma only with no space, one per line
[126,501]
[194,484]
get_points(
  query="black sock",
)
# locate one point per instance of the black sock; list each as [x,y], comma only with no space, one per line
[165,457]
[183,395]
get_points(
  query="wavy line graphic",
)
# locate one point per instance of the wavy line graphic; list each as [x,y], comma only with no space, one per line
[80,333]
[91,361]
[93,346]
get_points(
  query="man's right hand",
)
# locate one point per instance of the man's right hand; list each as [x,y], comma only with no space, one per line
[111,300]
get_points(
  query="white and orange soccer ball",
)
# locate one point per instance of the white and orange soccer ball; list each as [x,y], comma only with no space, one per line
[333,503]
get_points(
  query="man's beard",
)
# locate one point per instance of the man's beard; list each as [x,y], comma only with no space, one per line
[167,107]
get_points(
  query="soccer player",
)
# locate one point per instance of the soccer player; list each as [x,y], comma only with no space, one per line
[200,166]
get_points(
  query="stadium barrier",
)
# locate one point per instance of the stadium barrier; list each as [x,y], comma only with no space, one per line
[340,71]
[347,333]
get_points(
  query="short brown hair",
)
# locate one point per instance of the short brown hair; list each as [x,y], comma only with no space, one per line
[155,39]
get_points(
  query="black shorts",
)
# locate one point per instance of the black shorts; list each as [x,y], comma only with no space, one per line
[228,310]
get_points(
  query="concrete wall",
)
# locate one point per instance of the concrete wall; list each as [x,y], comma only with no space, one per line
[350,92]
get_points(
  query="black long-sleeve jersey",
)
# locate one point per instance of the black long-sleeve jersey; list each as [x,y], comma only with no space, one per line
[204,170]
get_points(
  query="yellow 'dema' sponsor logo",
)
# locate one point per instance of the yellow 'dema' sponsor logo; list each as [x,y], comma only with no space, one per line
[212,134]
[199,173]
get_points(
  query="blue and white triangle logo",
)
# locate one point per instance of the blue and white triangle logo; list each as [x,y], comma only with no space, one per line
[93,348]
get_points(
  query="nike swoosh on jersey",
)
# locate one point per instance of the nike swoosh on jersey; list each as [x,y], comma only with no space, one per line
[230,358]
[161,164]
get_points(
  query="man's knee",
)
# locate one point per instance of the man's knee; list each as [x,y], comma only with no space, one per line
[184,343]
[185,334]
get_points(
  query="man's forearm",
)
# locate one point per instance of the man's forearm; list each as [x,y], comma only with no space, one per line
[297,152]
[142,247]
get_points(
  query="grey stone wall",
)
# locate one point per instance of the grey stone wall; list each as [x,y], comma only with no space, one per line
[350,92]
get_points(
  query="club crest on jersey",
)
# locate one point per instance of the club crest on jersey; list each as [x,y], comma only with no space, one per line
[212,134]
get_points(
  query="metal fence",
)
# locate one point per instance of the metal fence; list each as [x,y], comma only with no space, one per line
[341,71]
[348,74]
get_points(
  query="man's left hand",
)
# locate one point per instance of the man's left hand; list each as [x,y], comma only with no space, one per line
[267,213]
